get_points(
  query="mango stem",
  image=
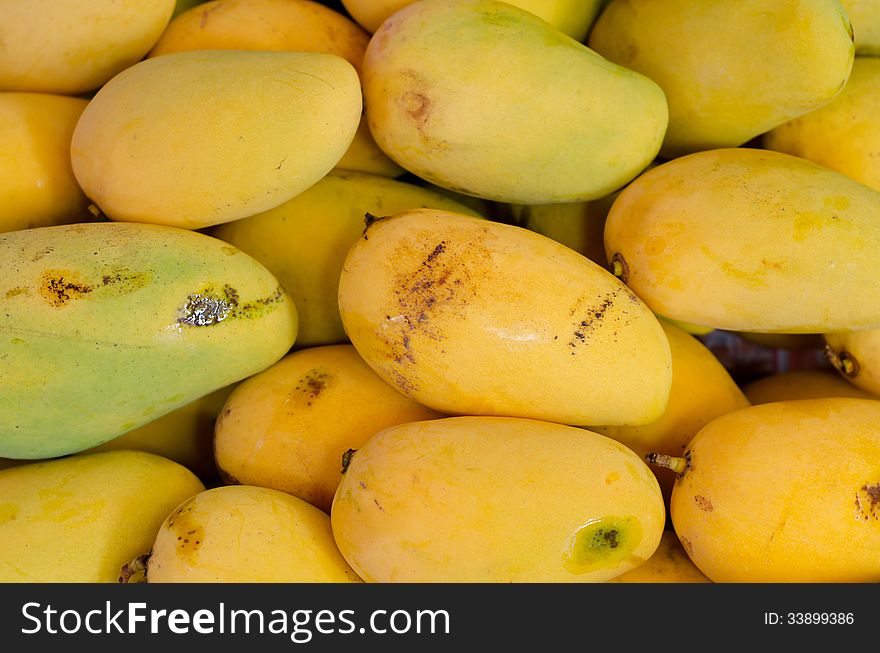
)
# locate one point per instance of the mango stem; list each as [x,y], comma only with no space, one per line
[675,463]
[136,566]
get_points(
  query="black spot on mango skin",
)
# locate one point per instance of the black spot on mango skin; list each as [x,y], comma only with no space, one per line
[602,544]
[703,503]
[187,530]
[58,287]
[308,389]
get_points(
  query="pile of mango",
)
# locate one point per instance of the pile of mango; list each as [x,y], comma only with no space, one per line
[383,290]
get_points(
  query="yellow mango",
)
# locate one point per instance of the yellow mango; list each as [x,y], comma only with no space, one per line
[749,240]
[245,534]
[473,317]
[842,135]
[185,435]
[669,564]
[573,17]
[193,139]
[289,427]
[801,384]
[702,389]
[73,46]
[487,99]
[37,188]
[856,355]
[783,492]
[80,519]
[280,25]
[731,69]
[495,499]
[865,18]
[304,241]
[109,325]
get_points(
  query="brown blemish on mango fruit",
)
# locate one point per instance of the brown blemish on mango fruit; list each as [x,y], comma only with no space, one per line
[602,543]
[868,502]
[703,503]
[188,531]
[58,287]
[308,389]
[15,292]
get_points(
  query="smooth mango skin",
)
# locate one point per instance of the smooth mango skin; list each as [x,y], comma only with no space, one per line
[74,46]
[305,240]
[842,135]
[702,389]
[451,92]
[573,17]
[185,435]
[784,492]
[289,426]
[281,25]
[856,355]
[472,317]
[750,240]
[193,139]
[801,384]
[37,188]
[246,534]
[669,564]
[865,18]
[80,519]
[731,69]
[495,499]
[107,326]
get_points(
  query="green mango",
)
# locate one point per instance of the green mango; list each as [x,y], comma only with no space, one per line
[82,518]
[486,99]
[107,326]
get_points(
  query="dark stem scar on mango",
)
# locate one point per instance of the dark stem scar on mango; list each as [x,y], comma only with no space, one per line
[677,464]
[843,361]
[131,569]
[346,459]
[369,221]
[619,267]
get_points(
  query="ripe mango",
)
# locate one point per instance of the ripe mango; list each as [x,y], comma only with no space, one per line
[702,389]
[304,241]
[573,17]
[193,139]
[750,240]
[81,518]
[669,564]
[842,135]
[801,384]
[784,492]
[108,326]
[495,499]
[73,46]
[245,534]
[856,355]
[37,188]
[487,99]
[731,69]
[290,426]
[281,25]
[473,317]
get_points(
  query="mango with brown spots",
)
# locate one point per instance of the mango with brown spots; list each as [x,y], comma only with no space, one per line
[473,317]
[744,239]
[81,518]
[495,499]
[246,534]
[289,426]
[784,492]
[106,326]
